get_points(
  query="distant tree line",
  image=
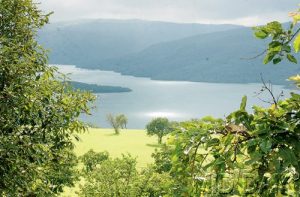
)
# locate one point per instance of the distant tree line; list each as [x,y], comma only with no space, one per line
[94,88]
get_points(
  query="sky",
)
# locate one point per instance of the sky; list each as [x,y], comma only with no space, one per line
[242,12]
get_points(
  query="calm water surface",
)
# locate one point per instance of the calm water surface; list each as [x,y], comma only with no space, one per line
[176,100]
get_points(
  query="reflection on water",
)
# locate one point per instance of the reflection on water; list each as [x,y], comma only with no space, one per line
[175,100]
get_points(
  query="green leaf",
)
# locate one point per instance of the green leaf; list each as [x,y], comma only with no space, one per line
[261,34]
[268,58]
[274,27]
[288,156]
[277,60]
[297,43]
[213,142]
[276,49]
[256,156]
[274,44]
[286,48]
[291,58]
[243,103]
[265,146]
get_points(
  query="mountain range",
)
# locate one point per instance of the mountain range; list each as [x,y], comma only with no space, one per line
[164,51]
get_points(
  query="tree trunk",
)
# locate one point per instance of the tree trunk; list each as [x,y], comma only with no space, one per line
[159,139]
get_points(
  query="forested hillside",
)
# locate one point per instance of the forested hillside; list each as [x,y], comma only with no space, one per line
[87,42]
[165,51]
[222,57]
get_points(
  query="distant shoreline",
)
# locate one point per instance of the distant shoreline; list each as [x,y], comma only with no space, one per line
[94,88]
[287,85]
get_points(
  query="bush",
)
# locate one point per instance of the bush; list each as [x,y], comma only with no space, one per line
[119,177]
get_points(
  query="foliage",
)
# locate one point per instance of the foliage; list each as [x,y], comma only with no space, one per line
[280,46]
[119,177]
[117,122]
[91,159]
[152,184]
[258,153]
[122,120]
[159,127]
[39,113]
[253,154]
[162,159]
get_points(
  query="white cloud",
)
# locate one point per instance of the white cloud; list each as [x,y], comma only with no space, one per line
[246,12]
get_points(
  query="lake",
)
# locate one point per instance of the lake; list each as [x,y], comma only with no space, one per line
[176,100]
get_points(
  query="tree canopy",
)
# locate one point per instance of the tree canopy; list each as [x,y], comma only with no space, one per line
[39,113]
[285,42]
[159,127]
[117,122]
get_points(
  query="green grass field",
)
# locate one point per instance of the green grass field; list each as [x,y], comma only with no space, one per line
[134,142]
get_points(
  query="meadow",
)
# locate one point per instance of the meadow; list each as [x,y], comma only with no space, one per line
[134,142]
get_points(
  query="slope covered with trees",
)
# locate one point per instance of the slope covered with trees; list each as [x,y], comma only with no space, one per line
[163,51]
[221,57]
[87,42]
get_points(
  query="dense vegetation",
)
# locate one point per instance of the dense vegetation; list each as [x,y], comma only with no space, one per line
[120,177]
[39,113]
[94,88]
[255,154]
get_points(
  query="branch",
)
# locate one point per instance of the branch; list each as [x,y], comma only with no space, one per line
[293,36]
[256,56]
[235,151]
[263,52]
[239,130]
[269,89]
[194,157]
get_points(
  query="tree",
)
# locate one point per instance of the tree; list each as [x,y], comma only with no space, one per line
[284,42]
[39,113]
[112,121]
[122,120]
[117,122]
[159,127]
[91,159]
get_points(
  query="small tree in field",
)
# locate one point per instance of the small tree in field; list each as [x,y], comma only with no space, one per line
[117,122]
[122,120]
[159,127]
